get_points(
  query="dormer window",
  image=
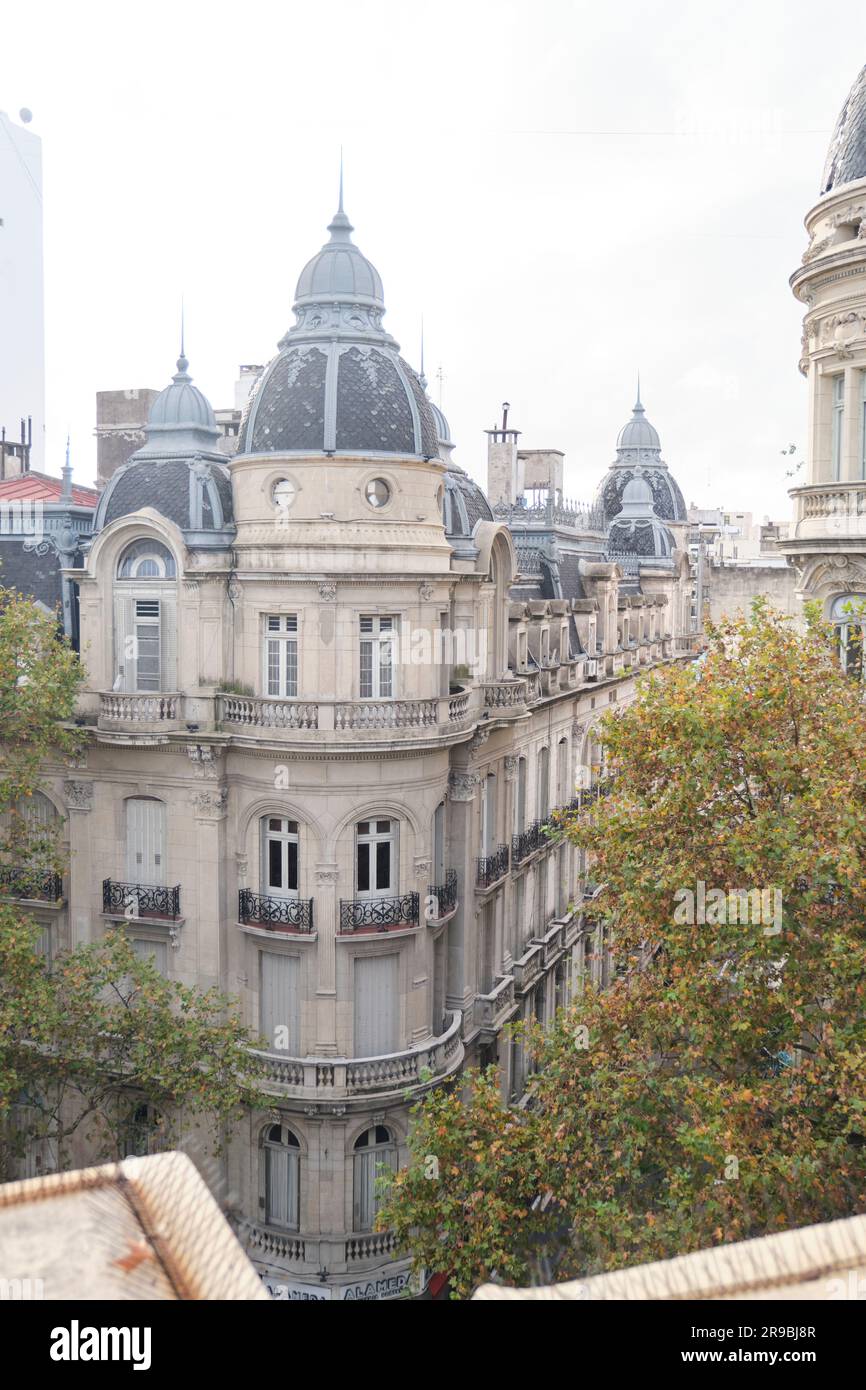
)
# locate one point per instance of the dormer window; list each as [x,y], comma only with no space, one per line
[146,559]
[145,601]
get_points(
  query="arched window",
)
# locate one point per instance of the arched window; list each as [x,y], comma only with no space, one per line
[543,801]
[280,857]
[375,1160]
[376,858]
[849,619]
[141,1135]
[146,559]
[281,1163]
[145,604]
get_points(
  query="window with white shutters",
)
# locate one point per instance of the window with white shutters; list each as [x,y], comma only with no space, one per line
[281,1159]
[376,1005]
[378,637]
[147,644]
[279,1004]
[155,951]
[145,841]
[374,1159]
[281,655]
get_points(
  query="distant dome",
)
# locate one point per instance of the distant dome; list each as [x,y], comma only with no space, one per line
[338,383]
[846,157]
[637,492]
[638,454]
[637,530]
[638,433]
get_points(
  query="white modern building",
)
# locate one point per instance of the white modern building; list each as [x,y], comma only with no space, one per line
[22,333]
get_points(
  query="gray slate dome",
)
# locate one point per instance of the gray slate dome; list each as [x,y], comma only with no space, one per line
[464,504]
[178,471]
[846,157]
[637,529]
[338,383]
[638,453]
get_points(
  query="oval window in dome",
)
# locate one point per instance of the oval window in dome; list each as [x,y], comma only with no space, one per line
[377,492]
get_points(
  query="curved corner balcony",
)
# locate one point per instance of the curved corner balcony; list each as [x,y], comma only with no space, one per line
[332,1078]
[141,713]
[828,511]
[345,719]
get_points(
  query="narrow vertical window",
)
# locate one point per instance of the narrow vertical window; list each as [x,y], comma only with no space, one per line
[281,655]
[281,1153]
[377,658]
[838,424]
[376,858]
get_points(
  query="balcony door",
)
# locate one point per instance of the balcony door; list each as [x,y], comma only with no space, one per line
[145,841]
[376,859]
[279,857]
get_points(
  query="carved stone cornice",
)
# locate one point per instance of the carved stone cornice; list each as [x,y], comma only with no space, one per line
[79,795]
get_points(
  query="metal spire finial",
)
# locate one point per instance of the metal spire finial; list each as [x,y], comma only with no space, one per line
[182,363]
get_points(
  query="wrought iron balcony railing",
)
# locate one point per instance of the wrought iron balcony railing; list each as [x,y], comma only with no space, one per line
[259,910]
[527,841]
[21,883]
[492,867]
[146,899]
[445,895]
[379,914]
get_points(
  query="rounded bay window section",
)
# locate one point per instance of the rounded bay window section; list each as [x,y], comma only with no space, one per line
[281,1177]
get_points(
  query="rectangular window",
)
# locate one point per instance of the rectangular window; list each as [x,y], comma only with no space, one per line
[543,783]
[280,858]
[147,644]
[838,425]
[281,655]
[378,636]
[376,1005]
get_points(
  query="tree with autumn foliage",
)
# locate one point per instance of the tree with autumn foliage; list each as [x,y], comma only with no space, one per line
[95,1037]
[717,1089]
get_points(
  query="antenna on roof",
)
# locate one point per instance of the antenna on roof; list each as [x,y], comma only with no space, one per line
[66,488]
[422,378]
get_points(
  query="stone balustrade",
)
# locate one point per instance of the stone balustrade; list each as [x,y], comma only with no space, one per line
[309,1077]
[490,1009]
[122,712]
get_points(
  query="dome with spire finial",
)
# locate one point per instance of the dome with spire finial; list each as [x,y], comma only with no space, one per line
[338,383]
[179,471]
[638,455]
[846,157]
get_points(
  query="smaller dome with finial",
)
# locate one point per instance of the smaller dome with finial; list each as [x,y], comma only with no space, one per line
[180,416]
[638,433]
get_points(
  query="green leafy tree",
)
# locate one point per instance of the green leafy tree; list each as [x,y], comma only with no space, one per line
[715,1091]
[89,1040]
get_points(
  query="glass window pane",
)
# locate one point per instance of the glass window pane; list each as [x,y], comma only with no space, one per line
[363,868]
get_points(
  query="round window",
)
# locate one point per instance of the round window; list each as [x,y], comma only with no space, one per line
[377,492]
[284,493]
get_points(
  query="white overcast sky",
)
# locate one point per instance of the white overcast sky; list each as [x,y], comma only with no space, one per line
[566,191]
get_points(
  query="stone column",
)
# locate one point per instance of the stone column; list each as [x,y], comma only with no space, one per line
[202,936]
[85,895]
[325,912]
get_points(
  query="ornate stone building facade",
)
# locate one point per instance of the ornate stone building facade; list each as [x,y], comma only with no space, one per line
[827,544]
[335,698]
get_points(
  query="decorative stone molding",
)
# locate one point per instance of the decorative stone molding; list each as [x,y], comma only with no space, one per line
[236,591]
[478,738]
[463,785]
[210,803]
[326,876]
[204,760]
[422,868]
[425,591]
[79,795]
[511,762]
[243,864]
[328,590]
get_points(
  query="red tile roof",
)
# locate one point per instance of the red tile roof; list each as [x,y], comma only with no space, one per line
[43,488]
